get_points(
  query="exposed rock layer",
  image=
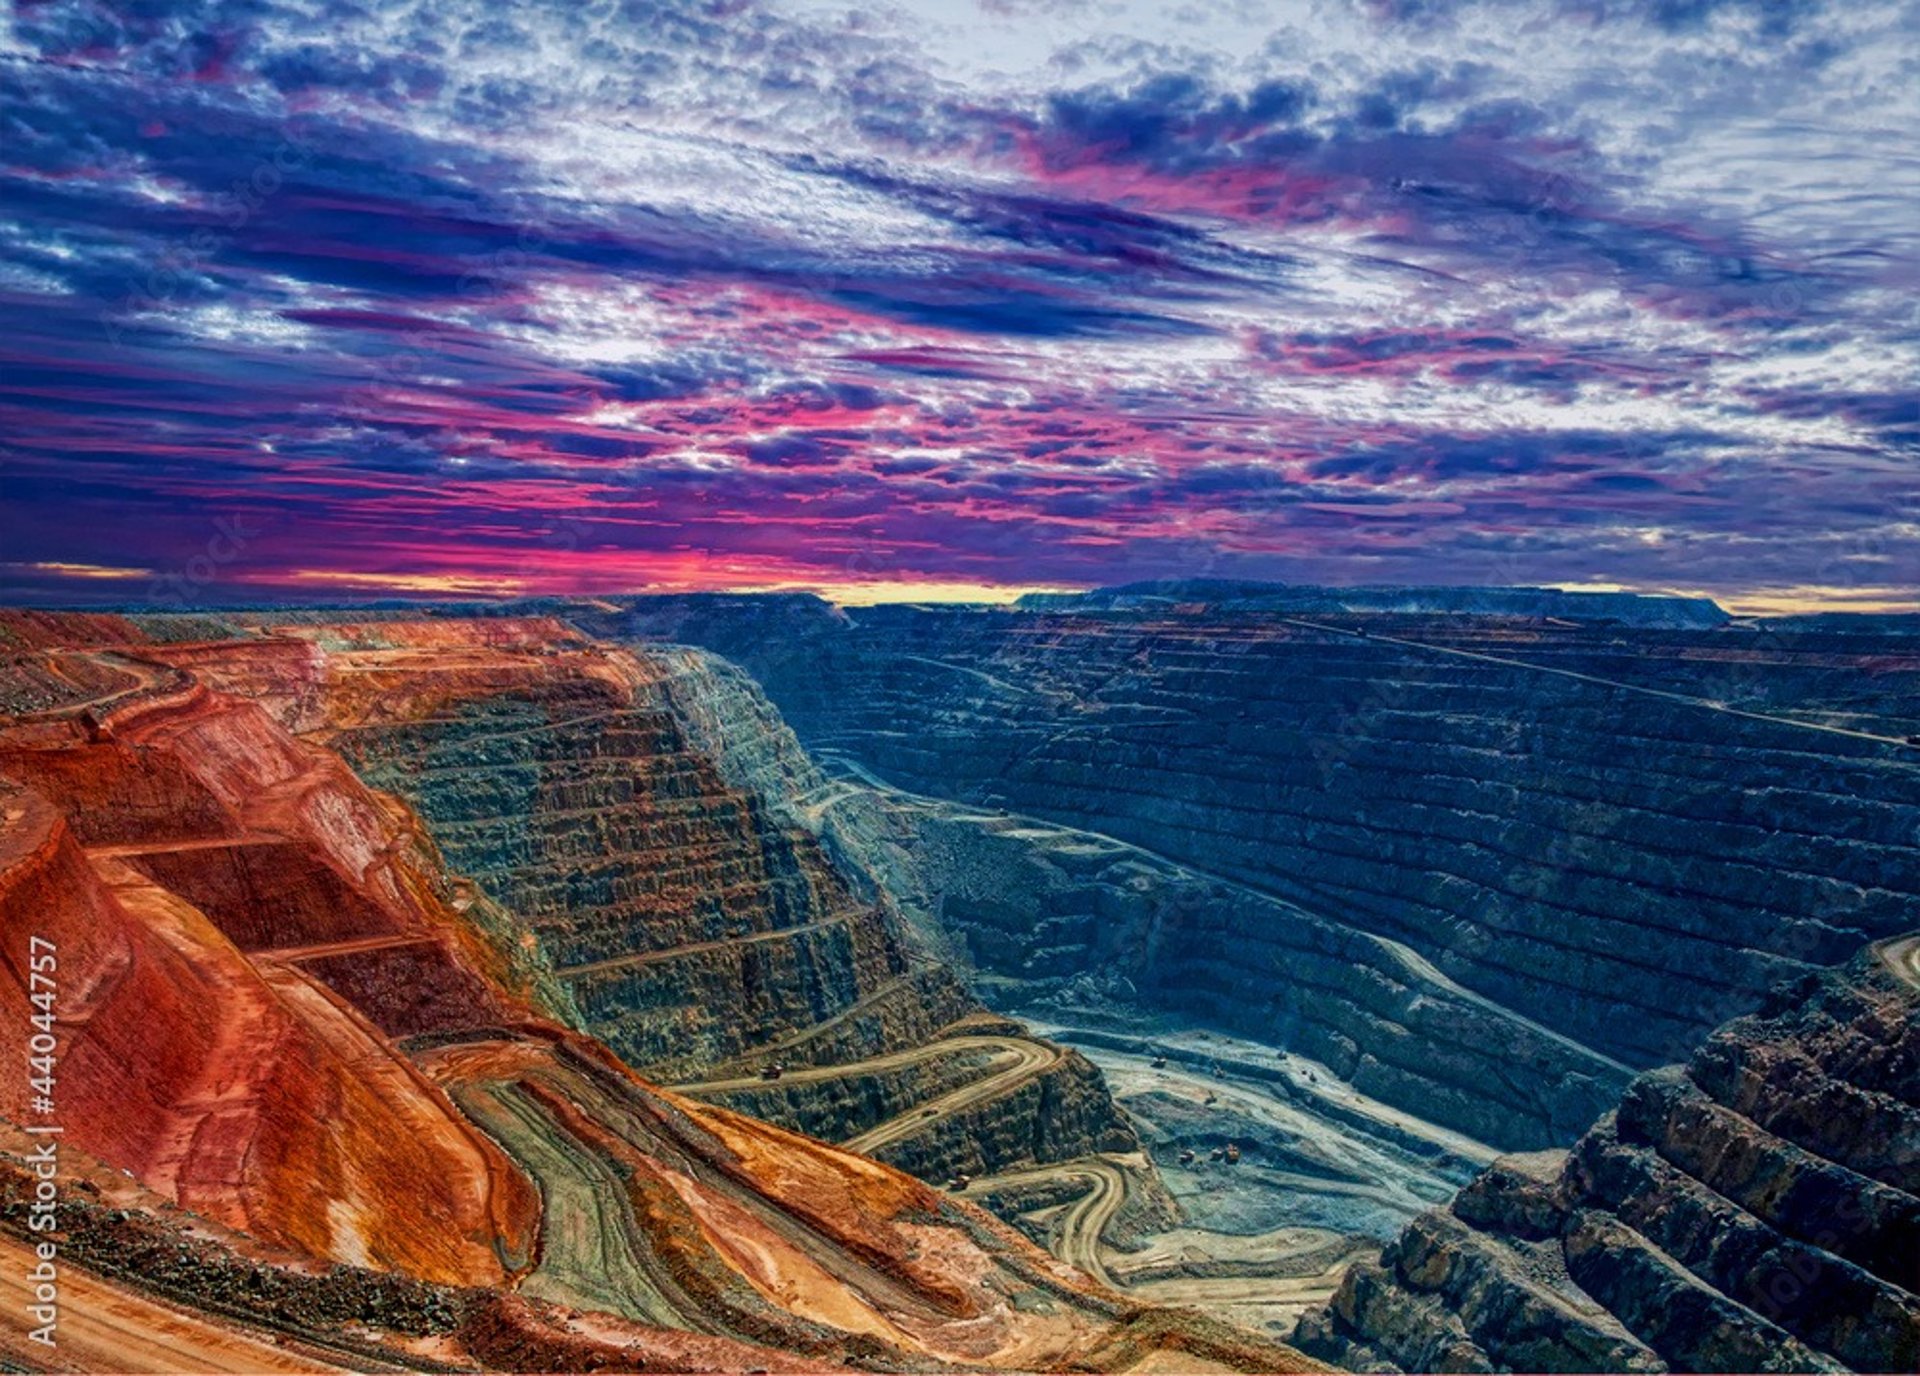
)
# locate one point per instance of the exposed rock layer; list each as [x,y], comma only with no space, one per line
[202,1069]
[688,925]
[639,814]
[1625,865]
[1074,922]
[318,1041]
[636,812]
[1755,1211]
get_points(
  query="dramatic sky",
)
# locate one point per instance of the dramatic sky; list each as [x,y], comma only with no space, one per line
[338,298]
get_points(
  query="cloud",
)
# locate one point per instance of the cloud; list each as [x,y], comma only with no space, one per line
[675,291]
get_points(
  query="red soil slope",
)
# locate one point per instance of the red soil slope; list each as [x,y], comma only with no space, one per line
[154,842]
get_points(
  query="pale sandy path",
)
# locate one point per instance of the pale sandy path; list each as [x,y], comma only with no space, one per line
[104,1327]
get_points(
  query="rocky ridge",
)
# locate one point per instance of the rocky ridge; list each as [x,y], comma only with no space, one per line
[1756,1210]
[1639,610]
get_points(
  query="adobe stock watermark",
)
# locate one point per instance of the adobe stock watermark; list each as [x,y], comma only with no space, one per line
[43,1206]
[188,585]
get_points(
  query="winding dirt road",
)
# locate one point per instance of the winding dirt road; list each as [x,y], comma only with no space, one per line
[1015,1061]
[1427,972]
[293,955]
[1662,693]
[1299,1267]
[1414,965]
[1901,955]
[145,677]
[697,947]
[1026,1060]
[1084,1224]
[871,1000]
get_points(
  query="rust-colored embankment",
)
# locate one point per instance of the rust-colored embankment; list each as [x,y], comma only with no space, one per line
[157,841]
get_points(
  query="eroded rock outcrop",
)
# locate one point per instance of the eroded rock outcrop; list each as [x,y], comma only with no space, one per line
[1755,1210]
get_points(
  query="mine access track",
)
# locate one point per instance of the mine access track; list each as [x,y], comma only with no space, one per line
[1020,1060]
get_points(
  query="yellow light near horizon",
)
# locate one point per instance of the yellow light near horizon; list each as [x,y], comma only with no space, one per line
[63,570]
[1788,601]
[1801,601]
[480,584]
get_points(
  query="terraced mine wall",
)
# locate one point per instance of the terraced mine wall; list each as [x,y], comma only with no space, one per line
[197,1051]
[372,1127]
[1055,1116]
[1754,1211]
[687,925]
[1853,672]
[1625,868]
[836,1109]
[1078,926]
[635,825]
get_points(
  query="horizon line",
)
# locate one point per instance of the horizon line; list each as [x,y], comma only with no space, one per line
[402,589]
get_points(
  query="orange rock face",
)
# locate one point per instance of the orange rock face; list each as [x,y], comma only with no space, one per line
[179,850]
[278,1011]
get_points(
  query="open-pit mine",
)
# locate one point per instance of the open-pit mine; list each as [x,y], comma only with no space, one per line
[1172,978]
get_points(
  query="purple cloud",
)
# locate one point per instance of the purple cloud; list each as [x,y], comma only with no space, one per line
[516,298]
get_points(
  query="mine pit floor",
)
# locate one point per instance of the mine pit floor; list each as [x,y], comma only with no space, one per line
[1325,1175]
